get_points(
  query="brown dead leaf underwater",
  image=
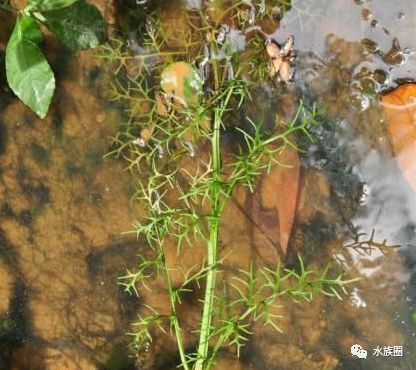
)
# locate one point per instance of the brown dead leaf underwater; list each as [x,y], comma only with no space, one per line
[400,109]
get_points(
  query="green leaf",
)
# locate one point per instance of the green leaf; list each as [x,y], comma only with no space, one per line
[44,5]
[79,26]
[28,72]
[28,29]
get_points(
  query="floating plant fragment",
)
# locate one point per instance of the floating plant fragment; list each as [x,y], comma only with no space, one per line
[282,59]
[182,82]
[400,109]
[162,105]
[395,55]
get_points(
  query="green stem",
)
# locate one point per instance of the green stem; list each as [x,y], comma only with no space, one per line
[144,56]
[174,319]
[208,308]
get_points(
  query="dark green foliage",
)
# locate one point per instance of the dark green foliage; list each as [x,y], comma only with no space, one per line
[76,23]
[43,5]
[79,26]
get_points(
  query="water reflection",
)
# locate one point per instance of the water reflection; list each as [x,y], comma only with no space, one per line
[386,215]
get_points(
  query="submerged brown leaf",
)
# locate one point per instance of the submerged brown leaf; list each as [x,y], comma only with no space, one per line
[279,195]
[271,211]
[400,108]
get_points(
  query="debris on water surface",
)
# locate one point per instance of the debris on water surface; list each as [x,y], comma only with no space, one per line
[366,14]
[282,59]
[395,55]
[162,104]
[370,45]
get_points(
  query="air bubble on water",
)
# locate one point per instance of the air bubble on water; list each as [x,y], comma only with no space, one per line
[356,299]
[262,7]
[203,67]
[140,142]
[359,102]
[190,147]
[160,150]
[252,17]
[230,71]
[156,203]
[365,192]
[225,30]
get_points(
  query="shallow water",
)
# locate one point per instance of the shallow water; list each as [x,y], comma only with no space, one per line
[64,207]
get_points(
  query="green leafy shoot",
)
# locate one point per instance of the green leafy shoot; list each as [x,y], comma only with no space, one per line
[28,72]
[76,23]
[187,177]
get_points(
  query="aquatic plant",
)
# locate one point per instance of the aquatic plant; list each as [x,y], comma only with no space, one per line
[76,23]
[188,177]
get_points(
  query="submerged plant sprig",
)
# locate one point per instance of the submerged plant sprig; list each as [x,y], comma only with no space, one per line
[146,270]
[145,325]
[260,295]
[173,140]
[262,150]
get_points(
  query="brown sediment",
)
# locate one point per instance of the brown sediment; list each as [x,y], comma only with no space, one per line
[64,203]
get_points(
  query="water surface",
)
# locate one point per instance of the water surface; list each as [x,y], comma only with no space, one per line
[63,206]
